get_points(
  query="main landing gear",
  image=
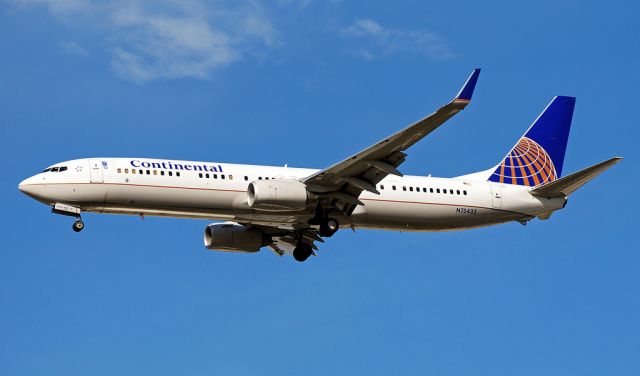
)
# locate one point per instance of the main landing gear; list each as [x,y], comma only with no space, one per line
[302,251]
[328,227]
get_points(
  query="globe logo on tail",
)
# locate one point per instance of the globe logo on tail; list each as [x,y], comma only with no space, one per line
[527,164]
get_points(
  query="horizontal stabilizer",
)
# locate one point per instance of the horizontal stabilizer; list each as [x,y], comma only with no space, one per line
[565,186]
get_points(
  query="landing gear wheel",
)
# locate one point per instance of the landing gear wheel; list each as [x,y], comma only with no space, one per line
[328,227]
[302,252]
[78,225]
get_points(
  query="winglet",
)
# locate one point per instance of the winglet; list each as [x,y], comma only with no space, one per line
[464,95]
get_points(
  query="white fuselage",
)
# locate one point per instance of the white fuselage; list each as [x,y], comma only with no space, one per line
[218,191]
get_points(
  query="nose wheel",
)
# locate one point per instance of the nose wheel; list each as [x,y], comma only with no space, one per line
[78,225]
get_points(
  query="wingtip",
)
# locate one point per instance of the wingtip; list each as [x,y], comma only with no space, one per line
[611,161]
[465,94]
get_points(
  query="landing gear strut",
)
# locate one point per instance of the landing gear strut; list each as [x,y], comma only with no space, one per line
[328,227]
[71,211]
[302,252]
[78,225]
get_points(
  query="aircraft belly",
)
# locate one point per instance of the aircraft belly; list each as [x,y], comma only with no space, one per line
[169,197]
[158,201]
[420,216]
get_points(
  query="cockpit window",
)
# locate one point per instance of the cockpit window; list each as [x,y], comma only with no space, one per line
[55,169]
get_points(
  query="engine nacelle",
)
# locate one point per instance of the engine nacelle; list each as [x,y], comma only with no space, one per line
[233,237]
[277,195]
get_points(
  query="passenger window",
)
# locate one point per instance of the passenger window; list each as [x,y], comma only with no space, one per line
[437,190]
[451,191]
[119,171]
[133,171]
[177,173]
[170,173]
[259,177]
[206,176]
[162,172]
[222,176]
[393,187]
[417,189]
[464,193]
[381,186]
[126,170]
[246,178]
[404,188]
[230,177]
[148,172]
[458,191]
[411,189]
[200,175]
[424,190]
[430,190]
[155,172]
[444,191]
[141,172]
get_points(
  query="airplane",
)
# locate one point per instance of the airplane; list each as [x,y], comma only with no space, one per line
[291,209]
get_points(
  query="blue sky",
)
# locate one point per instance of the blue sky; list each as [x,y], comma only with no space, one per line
[308,83]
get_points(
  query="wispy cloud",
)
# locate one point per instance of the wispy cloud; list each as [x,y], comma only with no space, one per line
[73,48]
[375,41]
[296,3]
[166,39]
[57,7]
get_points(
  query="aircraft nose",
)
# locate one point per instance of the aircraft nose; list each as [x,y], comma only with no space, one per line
[23,185]
[27,187]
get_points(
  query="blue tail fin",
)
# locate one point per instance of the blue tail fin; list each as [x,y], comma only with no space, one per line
[538,156]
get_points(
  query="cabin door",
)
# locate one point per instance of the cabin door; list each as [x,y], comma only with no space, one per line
[96,171]
[496,196]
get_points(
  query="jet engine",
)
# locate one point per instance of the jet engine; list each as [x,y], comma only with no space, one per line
[277,195]
[233,237]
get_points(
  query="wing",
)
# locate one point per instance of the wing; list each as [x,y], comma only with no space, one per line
[342,183]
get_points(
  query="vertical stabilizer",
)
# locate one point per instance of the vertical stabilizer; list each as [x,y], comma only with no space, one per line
[538,156]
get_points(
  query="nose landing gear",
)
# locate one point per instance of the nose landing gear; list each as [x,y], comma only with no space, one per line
[78,225]
[71,211]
